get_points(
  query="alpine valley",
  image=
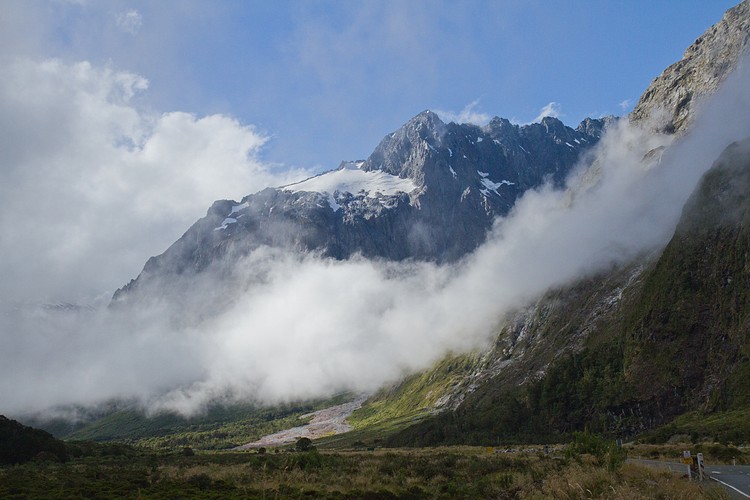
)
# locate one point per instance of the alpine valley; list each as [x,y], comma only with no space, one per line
[644,333]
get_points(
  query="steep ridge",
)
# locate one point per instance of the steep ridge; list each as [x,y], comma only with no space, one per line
[20,444]
[429,191]
[688,342]
[629,350]
[476,397]
[560,364]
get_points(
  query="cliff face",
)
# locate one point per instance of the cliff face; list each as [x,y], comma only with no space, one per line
[672,97]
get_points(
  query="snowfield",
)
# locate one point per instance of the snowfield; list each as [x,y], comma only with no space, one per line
[351,179]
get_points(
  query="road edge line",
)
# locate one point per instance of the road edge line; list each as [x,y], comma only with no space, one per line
[730,486]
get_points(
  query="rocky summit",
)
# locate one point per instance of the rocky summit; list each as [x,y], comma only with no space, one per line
[429,191]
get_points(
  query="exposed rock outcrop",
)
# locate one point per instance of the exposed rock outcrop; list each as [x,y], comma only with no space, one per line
[671,99]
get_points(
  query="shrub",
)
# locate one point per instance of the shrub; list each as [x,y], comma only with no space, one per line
[200,481]
[19,443]
[605,452]
[303,444]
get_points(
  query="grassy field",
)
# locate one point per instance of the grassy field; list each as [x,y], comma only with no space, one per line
[455,472]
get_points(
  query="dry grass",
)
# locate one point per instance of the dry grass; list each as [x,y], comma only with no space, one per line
[437,472]
[415,473]
[630,481]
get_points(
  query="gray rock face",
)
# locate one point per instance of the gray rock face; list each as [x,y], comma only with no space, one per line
[429,191]
[671,98]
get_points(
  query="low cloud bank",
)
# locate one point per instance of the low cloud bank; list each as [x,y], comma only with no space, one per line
[299,326]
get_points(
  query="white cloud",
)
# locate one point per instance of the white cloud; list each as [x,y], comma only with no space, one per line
[553,110]
[91,185]
[625,105]
[130,21]
[467,115]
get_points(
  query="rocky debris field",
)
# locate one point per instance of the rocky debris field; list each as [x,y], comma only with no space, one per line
[325,422]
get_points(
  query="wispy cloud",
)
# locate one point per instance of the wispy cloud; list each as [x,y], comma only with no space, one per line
[468,114]
[130,21]
[553,109]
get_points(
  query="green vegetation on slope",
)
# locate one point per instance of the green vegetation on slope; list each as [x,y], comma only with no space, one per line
[220,427]
[688,335]
[576,393]
[495,409]
[678,342]
[396,408]
[723,427]
[417,395]
[19,444]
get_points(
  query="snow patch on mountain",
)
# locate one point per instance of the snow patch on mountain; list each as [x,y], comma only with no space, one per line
[350,178]
[493,186]
[333,203]
[241,206]
[225,223]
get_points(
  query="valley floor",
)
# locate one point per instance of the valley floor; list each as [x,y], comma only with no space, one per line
[456,472]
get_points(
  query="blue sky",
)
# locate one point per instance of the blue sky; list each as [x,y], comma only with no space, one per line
[326,80]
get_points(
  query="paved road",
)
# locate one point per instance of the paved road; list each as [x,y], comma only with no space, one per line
[735,478]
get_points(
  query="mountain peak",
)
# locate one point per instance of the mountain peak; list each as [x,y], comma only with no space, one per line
[498,122]
[427,115]
[595,126]
[427,124]
[449,181]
